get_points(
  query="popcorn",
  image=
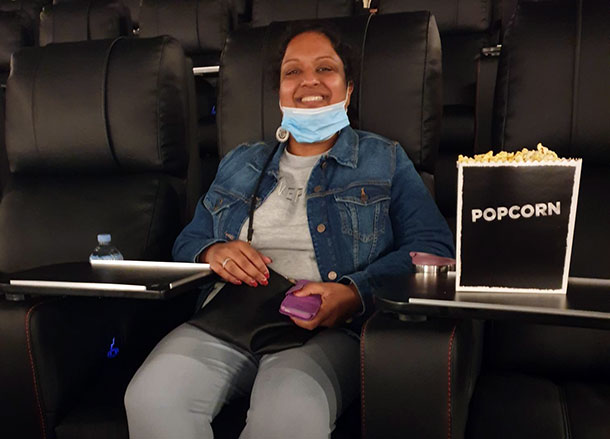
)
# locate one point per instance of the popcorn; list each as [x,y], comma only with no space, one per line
[540,154]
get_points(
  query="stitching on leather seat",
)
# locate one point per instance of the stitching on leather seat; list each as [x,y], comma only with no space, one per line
[362,401]
[563,402]
[449,364]
[33,368]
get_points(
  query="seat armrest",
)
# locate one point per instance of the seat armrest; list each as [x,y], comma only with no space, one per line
[58,353]
[52,347]
[418,376]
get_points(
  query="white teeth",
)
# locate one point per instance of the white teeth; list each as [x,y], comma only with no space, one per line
[311,98]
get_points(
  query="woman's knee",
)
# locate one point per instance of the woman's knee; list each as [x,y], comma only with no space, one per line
[149,389]
[290,405]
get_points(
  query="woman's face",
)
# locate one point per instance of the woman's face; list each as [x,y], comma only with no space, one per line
[312,74]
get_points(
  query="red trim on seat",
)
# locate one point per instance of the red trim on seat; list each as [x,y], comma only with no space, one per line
[362,402]
[31,359]
[449,362]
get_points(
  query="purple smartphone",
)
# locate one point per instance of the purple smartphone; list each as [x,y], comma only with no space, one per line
[303,308]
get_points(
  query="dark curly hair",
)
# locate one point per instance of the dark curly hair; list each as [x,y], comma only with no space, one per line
[330,31]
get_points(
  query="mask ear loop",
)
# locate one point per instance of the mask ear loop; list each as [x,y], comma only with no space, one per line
[347,96]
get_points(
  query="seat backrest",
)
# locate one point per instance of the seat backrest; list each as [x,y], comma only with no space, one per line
[4,172]
[267,11]
[242,11]
[397,91]
[84,20]
[201,26]
[451,15]
[31,7]
[132,5]
[98,135]
[16,31]
[465,27]
[552,88]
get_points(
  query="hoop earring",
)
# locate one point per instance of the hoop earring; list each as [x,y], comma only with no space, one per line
[282,134]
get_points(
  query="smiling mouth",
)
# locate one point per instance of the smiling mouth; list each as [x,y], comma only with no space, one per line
[306,99]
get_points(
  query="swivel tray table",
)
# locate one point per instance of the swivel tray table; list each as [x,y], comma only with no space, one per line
[586,304]
[124,279]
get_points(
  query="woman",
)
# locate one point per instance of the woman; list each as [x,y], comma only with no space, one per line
[339,207]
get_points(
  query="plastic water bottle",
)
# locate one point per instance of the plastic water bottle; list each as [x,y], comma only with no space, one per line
[105,250]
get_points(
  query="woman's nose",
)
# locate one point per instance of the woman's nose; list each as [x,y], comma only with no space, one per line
[310,78]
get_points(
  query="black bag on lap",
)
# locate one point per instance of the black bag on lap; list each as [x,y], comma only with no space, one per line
[249,317]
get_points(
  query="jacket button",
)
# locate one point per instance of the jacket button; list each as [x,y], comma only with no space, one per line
[321,228]
[324,164]
[332,275]
[317,189]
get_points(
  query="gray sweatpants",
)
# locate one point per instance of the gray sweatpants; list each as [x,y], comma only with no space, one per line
[190,375]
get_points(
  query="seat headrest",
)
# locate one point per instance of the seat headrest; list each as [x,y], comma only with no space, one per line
[84,20]
[106,106]
[199,25]
[552,82]
[134,10]
[16,31]
[267,11]
[31,7]
[132,5]
[397,92]
[451,15]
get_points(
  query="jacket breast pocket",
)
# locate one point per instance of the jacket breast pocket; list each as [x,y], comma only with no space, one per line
[219,204]
[364,213]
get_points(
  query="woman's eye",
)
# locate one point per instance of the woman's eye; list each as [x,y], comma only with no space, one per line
[291,72]
[325,69]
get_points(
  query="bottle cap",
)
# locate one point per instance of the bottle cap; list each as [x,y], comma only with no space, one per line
[104,238]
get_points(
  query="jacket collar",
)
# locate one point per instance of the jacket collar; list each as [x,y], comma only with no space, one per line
[344,151]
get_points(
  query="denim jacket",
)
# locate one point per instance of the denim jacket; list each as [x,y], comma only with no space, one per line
[367,208]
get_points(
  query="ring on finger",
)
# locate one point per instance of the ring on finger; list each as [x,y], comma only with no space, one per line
[225,262]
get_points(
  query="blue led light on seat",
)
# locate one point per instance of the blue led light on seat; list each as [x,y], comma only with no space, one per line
[114,351]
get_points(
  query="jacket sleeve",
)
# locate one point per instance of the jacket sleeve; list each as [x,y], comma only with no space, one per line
[417,225]
[198,235]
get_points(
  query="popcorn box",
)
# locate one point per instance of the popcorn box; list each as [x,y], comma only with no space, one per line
[515,224]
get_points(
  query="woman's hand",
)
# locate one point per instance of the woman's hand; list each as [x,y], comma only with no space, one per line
[339,303]
[237,262]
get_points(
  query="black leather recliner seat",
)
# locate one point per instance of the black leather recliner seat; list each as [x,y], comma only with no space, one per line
[16,31]
[552,88]
[98,136]
[465,28]
[201,27]
[265,12]
[84,20]
[132,5]
[31,8]
[562,99]
[519,380]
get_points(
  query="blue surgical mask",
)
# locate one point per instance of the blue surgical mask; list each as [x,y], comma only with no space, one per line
[311,125]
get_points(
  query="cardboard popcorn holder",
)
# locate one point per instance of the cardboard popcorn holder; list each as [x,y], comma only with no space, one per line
[515,224]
